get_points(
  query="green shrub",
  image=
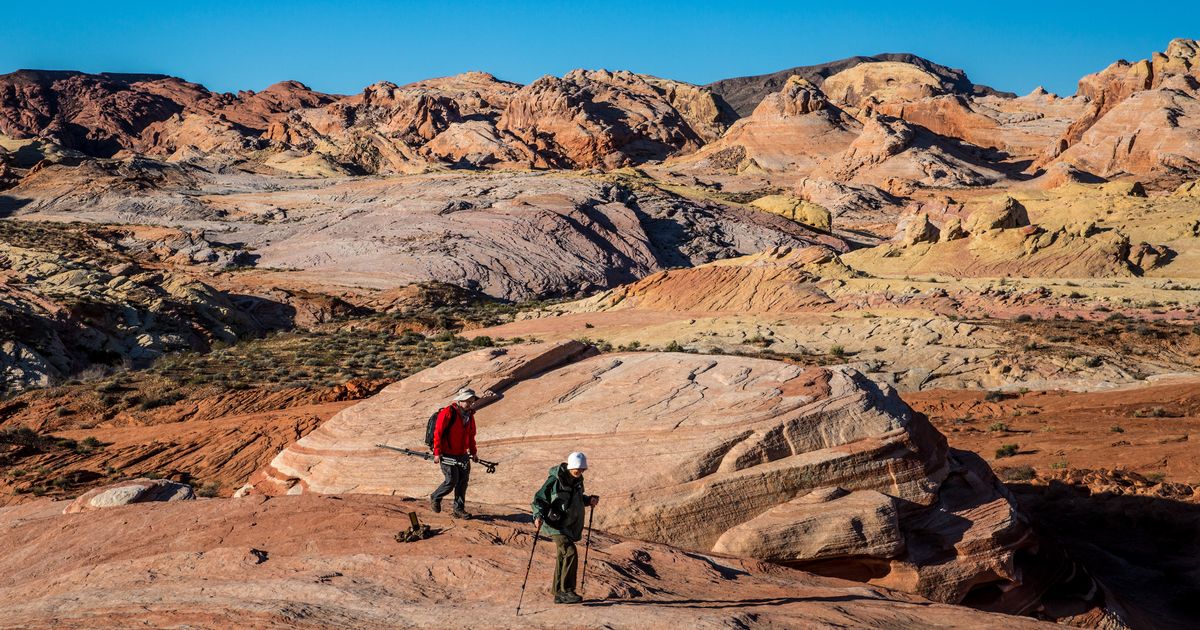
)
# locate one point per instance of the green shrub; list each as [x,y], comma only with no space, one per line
[1155,412]
[998,427]
[1020,473]
[1007,450]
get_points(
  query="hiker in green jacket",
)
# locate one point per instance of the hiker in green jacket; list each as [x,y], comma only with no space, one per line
[558,513]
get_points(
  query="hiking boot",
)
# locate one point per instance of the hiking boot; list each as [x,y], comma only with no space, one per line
[457,513]
[567,597]
[436,506]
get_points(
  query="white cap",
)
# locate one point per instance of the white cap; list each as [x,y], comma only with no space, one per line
[465,395]
[576,461]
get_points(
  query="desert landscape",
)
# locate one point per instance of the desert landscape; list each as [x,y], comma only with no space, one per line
[855,344]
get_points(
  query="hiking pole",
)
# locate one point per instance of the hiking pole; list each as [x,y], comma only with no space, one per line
[587,545]
[527,568]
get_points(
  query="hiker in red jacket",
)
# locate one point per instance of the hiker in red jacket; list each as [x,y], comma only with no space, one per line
[454,438]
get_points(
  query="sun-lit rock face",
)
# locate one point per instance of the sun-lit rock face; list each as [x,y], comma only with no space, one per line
[881,81]
[711,453]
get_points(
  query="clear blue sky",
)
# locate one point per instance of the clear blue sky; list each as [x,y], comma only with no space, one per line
[343,46]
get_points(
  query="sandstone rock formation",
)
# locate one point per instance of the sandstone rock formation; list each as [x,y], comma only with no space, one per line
[240,562]
[917,228]
[1140,118]
[790,129]
[670,452]
[132,491]
[584,119]
[798,131]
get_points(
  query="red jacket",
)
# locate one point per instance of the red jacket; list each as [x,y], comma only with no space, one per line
[459,436]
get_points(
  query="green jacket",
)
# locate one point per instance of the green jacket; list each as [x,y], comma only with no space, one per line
[565,494]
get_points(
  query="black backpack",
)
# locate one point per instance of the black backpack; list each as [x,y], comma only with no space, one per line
[431,426]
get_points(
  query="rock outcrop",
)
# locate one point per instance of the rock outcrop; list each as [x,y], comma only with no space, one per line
[796,209]
[890,81]
[707,452]
[607,119]
[799,131]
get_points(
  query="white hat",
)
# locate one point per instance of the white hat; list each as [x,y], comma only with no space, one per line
[576,461]
[465,395]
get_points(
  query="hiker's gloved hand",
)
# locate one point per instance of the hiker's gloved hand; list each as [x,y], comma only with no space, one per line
[594,500]
[437,459]
[537,522]
[475,458]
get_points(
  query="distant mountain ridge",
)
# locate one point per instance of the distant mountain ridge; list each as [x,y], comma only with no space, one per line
[945,129]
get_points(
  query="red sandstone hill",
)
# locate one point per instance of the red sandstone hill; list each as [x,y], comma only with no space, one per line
[1136,120]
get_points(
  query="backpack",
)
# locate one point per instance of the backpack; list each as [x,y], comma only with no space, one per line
[431,425]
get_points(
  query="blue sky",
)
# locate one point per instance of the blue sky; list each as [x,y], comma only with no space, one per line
[343,46]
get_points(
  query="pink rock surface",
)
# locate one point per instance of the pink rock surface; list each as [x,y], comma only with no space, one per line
[320,562]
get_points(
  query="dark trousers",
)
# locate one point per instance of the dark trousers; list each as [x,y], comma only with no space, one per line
[565,566]
[456,478]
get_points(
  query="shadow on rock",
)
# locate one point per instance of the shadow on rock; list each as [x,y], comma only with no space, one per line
[1143,549]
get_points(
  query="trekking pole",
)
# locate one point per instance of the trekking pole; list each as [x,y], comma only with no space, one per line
[587,545]
[527,568]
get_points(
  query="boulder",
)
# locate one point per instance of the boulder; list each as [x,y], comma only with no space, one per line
[1124,189]
[139,490]
[916,228]
[1004,214]
[953,230]
[696,450]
